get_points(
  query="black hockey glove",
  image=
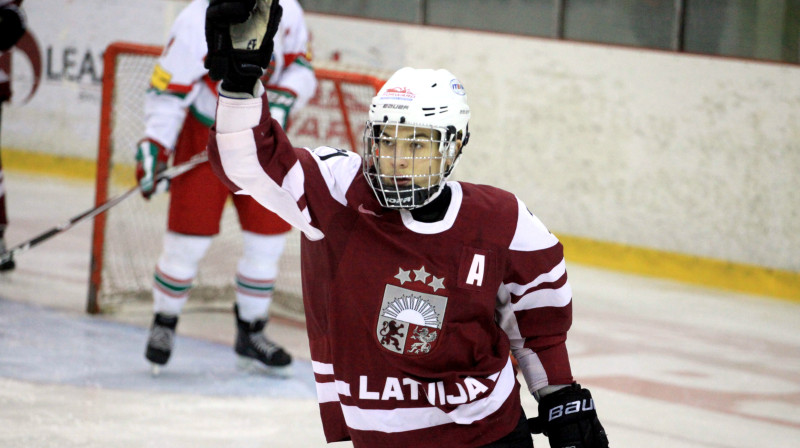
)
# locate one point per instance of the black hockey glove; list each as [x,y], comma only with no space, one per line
[13,26]
[568,418]
[239,35]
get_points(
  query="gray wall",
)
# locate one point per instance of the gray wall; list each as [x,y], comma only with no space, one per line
[689,154]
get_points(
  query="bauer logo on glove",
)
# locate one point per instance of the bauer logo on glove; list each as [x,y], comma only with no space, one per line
[571,419]
[572,407]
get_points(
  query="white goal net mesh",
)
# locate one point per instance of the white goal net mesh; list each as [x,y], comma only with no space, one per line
[128,239]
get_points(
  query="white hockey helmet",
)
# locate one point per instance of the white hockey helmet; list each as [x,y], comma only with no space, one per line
[415,102]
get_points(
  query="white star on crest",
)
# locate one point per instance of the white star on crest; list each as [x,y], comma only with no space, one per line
[436,283]
[420,275]
[403,276]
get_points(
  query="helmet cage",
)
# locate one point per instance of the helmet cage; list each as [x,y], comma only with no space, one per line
[429,154]
[417,127]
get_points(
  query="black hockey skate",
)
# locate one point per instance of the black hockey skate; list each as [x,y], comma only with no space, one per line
[256,352]
[161,340]
[8,264]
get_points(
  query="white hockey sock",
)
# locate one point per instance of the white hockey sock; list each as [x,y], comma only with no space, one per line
[176,270]
[256,273]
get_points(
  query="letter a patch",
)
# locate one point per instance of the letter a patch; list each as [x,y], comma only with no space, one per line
[476,268]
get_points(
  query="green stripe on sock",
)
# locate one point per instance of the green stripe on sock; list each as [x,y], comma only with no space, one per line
[253,287]
[176,288]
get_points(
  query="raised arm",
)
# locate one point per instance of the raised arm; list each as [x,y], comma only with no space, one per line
[248,149]
[250,153]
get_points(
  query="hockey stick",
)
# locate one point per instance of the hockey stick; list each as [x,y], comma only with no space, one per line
[169,173]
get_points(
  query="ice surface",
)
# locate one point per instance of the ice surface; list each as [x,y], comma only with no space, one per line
[47,346]
[669,365]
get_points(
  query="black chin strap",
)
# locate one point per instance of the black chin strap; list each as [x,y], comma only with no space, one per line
[436,209]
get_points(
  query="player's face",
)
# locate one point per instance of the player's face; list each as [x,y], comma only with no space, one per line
[409,156]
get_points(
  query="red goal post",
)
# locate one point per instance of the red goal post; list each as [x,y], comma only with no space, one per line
[126,240]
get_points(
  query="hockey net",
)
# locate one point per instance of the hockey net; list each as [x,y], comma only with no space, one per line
[127,240]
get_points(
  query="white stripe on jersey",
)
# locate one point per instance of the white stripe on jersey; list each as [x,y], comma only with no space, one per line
[243,168]
[322,368]
[240,159]
[526,240]
[237,115]
[545,297]
[327,392]
[531,235]
[293,182]
[547,277]
[343,388]
[330,391]
[337,165]
[409,419]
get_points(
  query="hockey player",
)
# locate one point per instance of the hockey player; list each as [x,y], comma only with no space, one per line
[180,107]
[415,287]
[12,28]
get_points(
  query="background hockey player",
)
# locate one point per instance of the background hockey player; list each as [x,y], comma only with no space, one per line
[180,83]
[415,287]
[12,28]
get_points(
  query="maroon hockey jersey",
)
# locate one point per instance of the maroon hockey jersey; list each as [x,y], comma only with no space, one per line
[410,324]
